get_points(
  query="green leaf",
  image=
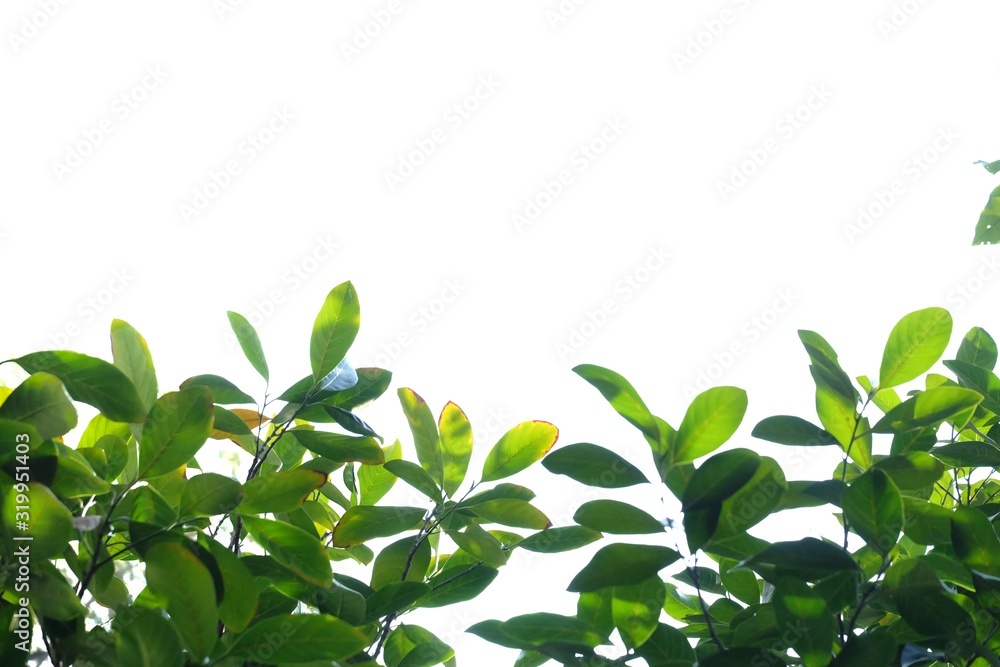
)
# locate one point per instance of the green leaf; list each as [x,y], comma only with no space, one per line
[209,494]
[667,647]
[413,646]
[223,391]
[636,610]
[622,396]
[395,558]
[617,518]
[90,380]
[49,523]
[458,583]
[621,565]
[543,628]
[557,540]
[41,402]
[982,380]
[131,355]
[594,609]
[750,504]
[594,466]
[710,420]
[741,657]
[280,491]
[519,448]
[926,523]
[249,342]
[915,344]
[800,607]
[794,431]
[416,477]
[978,348]
[930,408]
[456,446]
[335,329]
[968,454]
[178,425]
[292,639]
[871,648]
[511,512]
[362,523]
[741,584]
[874,510]
[299,551]
[374,480]
[148,640]
[239,597]
[988,227]
[393,598]
[425,433]
[372,383]
[480,545]
[178,576]
[807,558]
[975,541]
[718,478]
[912,471]
[340,448]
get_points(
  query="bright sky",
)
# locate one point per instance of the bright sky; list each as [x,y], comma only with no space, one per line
[667,189]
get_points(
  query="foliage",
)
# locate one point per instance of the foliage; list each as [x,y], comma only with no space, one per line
[229,571]
[915,579]
[988,229]
[122,550]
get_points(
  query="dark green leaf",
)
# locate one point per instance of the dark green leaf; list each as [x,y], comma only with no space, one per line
[808,558]
[556,540]
[794,431]
[511,512]
[968,454]
[280,491]
[402,555]
[90,380]
[209,494]
[594,466]
[988,227]
[622,397]
[615,517]
[337,447]
[299,551]
[223,391]
[874,509]
[621,565]
[415,476]
[636,610]
[800,607]
[458,583]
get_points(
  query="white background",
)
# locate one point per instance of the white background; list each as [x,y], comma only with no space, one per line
[840,99]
